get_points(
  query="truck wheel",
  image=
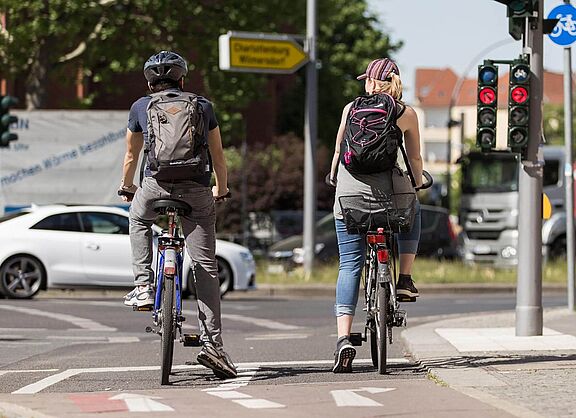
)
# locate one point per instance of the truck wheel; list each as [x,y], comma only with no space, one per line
[558,248]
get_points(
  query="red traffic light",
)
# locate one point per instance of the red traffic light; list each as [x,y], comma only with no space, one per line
[519,95]
[487,95]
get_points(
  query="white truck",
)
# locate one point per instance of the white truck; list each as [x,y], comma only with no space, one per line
[489,207]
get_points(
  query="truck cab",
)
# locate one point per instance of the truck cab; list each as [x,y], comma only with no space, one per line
[489,203]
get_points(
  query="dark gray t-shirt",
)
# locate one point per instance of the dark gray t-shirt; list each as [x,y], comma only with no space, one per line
[138,122]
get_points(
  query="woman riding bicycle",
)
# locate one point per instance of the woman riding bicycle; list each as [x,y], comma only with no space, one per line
[382,76]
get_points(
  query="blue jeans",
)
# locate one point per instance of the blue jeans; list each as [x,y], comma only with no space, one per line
[352,251]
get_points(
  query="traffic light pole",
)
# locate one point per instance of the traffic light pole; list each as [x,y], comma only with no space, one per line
[569,174]
[529,319]
[310,131]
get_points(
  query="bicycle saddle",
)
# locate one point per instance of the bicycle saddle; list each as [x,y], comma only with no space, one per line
[160,206]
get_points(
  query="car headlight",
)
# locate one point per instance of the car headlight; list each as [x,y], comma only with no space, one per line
[508,252]
[247,256]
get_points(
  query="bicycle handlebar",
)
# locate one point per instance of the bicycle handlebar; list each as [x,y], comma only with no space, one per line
[125,193]
[221,198]
[427,184]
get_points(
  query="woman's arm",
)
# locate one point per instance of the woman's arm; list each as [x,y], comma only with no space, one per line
[408,123]
[339,137]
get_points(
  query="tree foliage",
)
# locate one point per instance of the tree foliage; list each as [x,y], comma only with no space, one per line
[105,37]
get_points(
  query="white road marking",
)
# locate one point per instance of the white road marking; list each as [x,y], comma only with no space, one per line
[258,403]
[59,377]
[349,397]
[226,391]
[142,403]
[121,340]
[272,337]
[229,394]
[259,322]
[83,323]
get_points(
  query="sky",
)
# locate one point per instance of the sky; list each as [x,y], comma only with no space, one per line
[452,33]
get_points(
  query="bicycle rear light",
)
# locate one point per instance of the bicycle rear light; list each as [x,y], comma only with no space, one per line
[170,262]
[376,239]
[383,255]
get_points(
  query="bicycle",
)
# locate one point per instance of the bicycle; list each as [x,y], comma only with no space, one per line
[167,315]
[382,308]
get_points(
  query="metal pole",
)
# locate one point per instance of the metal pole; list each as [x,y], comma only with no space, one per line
[310,121]
[568,174]
[449,162]
[529,320]
[462,131]
[244,190]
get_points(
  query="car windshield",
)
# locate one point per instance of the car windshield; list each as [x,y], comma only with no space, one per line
[490,175]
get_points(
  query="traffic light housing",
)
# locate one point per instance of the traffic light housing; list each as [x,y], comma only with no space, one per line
[6,119]
[487,106]
[519,105]
[517,12]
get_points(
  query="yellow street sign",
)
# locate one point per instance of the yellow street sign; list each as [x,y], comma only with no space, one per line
[260,52]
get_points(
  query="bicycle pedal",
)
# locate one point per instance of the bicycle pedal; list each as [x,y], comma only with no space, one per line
[191,340]
[356,338]
[401,298]
[147,308]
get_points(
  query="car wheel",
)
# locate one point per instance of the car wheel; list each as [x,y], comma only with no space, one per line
[225,275]
[21,277]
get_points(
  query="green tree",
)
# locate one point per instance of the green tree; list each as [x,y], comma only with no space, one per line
[102,37]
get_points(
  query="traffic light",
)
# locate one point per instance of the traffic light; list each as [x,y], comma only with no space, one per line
[519,105]
[6,119]
[487,106]
[517,12]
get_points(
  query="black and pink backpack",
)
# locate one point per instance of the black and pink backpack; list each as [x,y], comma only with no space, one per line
[372,138]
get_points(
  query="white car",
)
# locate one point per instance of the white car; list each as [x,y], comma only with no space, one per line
[60,246]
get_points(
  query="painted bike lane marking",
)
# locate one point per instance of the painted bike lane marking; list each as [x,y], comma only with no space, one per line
[83,323]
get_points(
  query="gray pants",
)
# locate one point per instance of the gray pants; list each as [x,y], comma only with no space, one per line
[199,230]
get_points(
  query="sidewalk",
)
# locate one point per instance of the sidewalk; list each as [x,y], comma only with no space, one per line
[480,356]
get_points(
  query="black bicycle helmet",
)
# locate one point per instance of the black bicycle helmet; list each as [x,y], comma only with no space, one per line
[165,65]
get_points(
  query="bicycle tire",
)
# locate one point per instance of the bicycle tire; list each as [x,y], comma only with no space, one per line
[373,344]
[383,300]
[167,337]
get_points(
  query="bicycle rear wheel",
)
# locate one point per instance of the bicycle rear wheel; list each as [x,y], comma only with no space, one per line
[167,329]
[380,336]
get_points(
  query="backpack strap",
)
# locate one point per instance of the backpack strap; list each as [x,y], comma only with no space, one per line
[408,167]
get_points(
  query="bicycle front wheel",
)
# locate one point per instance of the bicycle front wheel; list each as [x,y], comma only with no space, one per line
[167,329]
[381,326]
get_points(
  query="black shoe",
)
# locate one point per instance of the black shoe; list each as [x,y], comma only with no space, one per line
[343,356]
[405,289]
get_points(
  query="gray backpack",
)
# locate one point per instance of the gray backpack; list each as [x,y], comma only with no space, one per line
[177,148]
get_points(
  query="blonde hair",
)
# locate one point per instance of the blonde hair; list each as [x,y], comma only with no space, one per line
[392,87]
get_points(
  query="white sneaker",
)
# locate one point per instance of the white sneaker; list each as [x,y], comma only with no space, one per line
[140,296]
[217,360]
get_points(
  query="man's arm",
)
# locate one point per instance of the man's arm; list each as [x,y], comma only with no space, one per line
[219,163]
[134,143]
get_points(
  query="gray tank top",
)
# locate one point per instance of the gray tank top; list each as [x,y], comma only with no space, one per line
[367,185]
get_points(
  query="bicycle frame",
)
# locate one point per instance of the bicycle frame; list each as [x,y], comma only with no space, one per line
[169,241]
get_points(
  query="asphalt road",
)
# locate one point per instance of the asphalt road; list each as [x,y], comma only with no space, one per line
[88,345]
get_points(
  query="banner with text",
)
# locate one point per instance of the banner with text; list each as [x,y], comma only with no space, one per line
[63,156]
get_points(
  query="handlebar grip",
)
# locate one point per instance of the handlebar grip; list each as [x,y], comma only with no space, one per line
[125,193]
[428,183]
[226,196]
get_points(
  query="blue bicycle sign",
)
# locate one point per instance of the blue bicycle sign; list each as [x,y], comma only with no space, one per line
[564,32]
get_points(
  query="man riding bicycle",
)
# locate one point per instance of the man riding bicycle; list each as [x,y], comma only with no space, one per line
[165,72]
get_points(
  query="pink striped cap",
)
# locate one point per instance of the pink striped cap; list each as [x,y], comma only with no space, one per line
[380,69]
